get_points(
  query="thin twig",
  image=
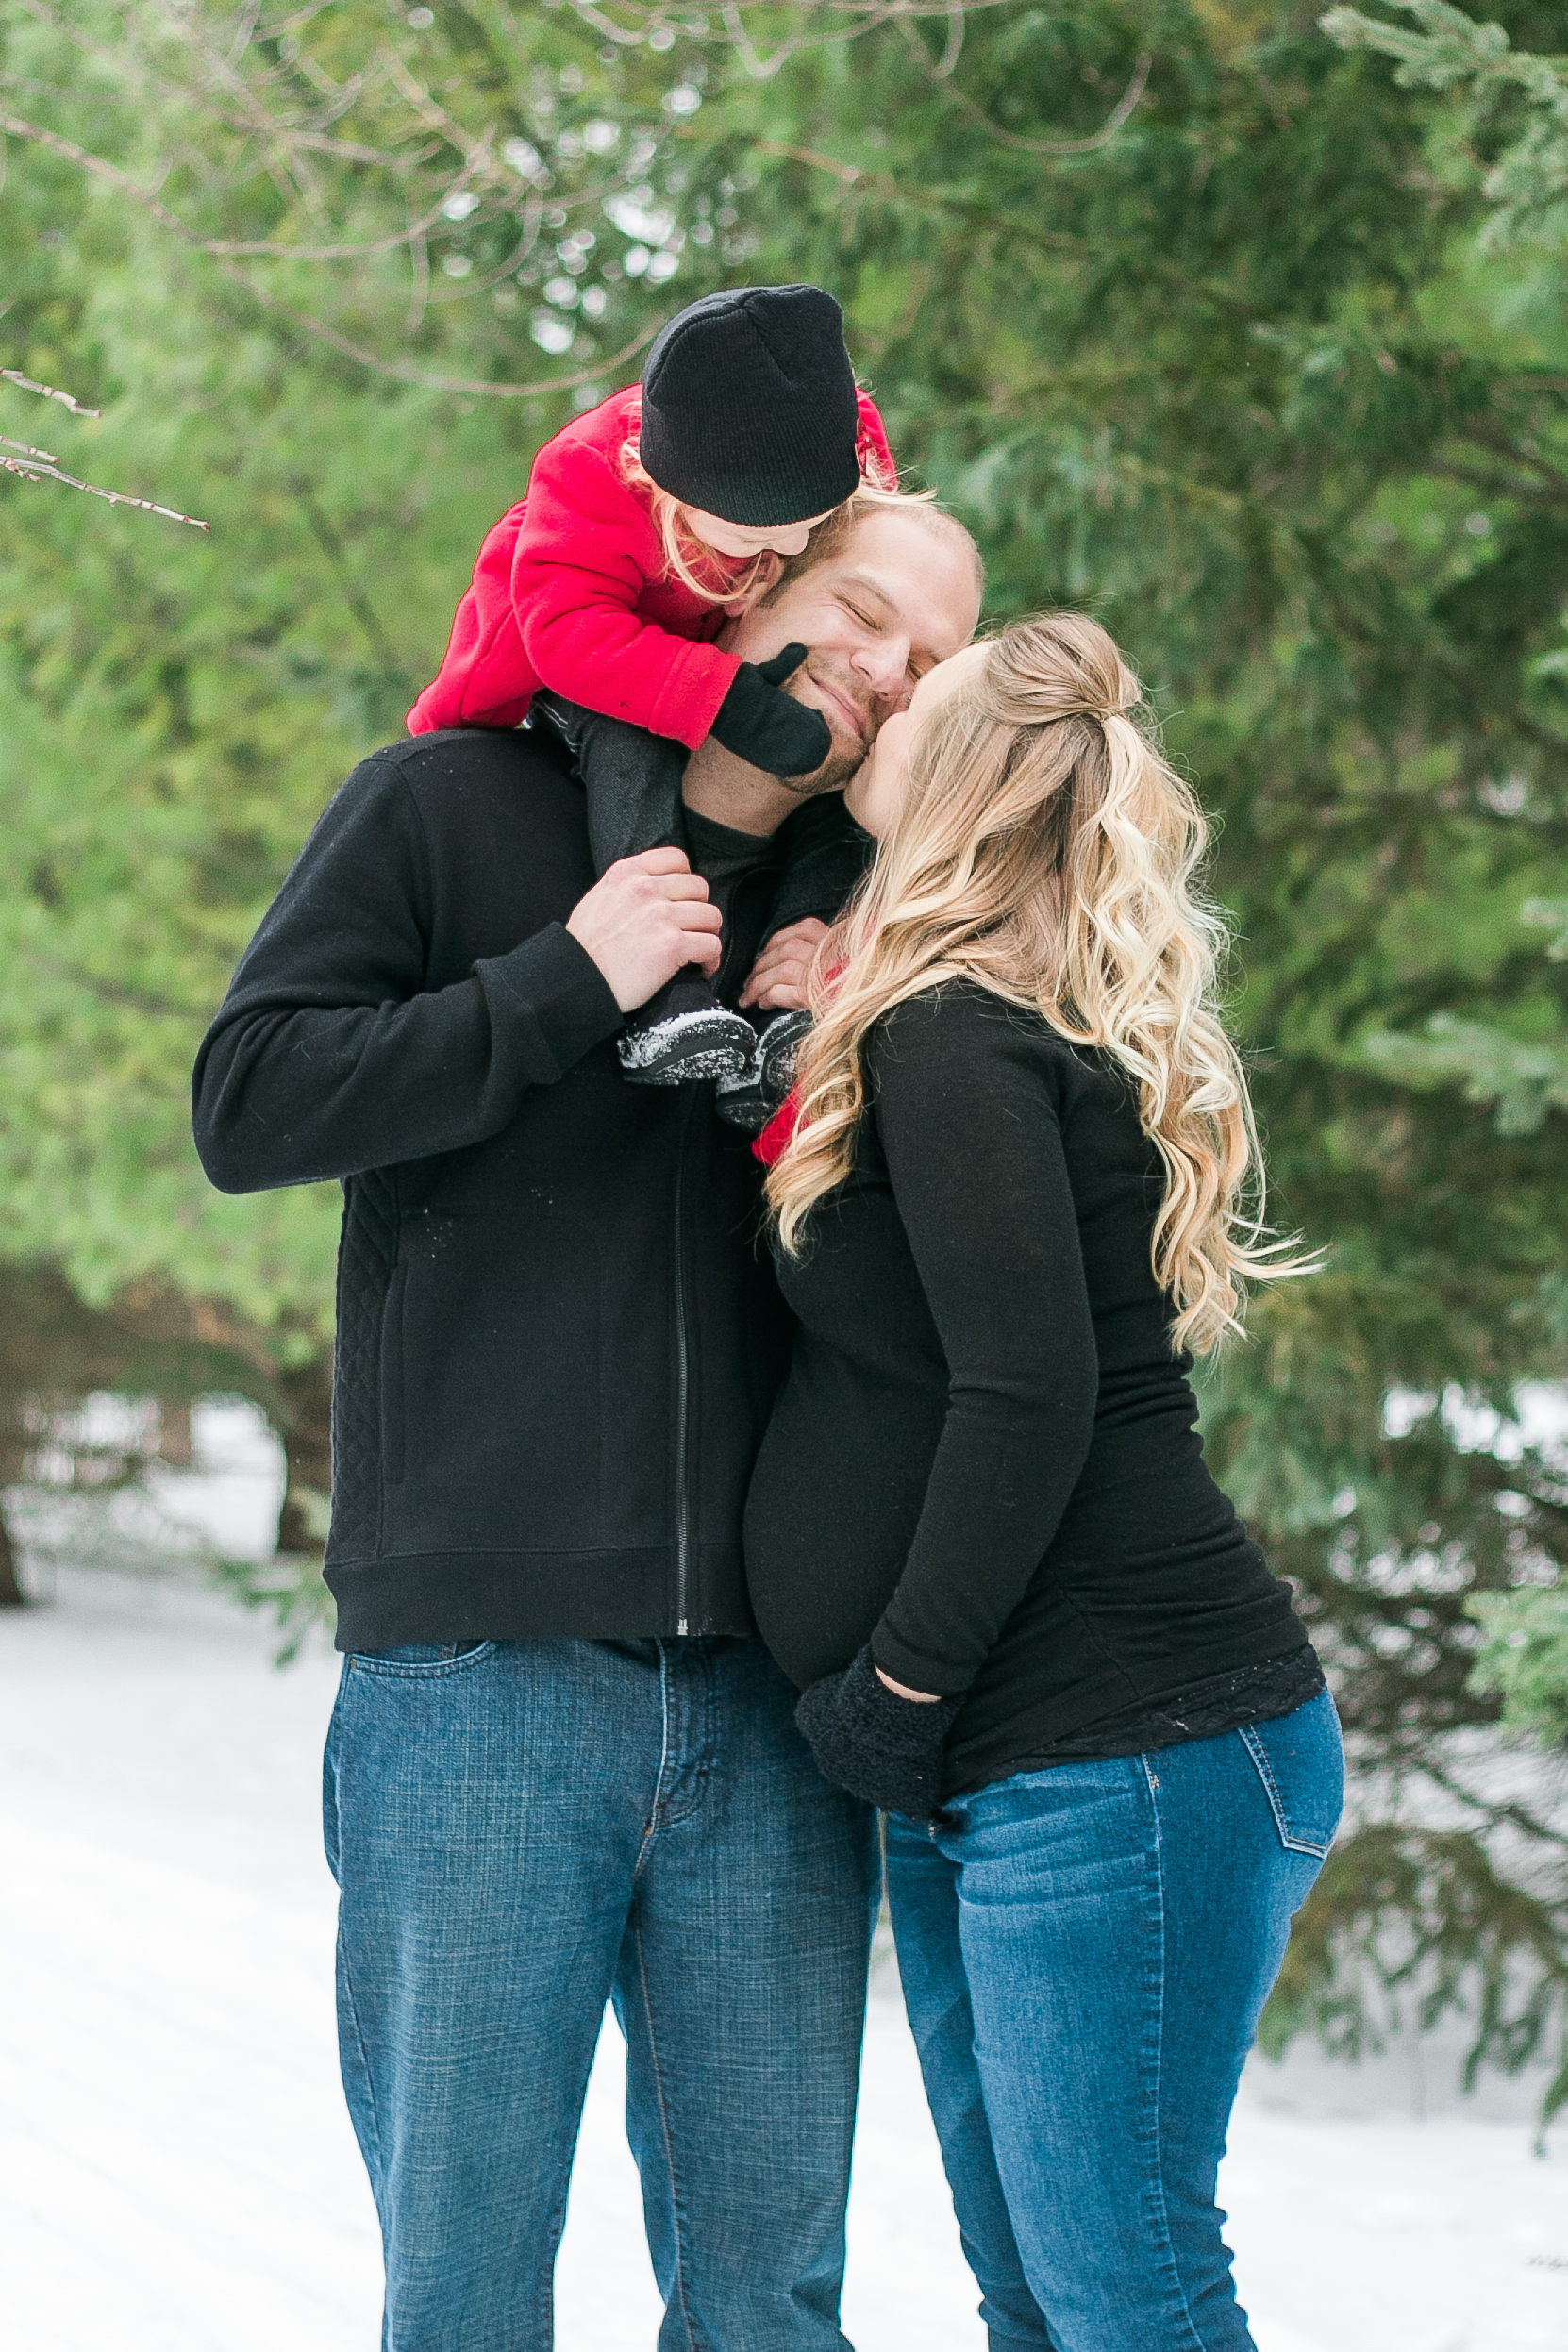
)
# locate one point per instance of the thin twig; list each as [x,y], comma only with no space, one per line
[1550,489]
[47,391]
[274,247]
[932,200]
[110,173]
[866,16]
[977,113]
[399,371]
[606,27]
[330,543]
[33,466]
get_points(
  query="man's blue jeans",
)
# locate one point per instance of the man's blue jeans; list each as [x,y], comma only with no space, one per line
[521,1830]
[1084,1957]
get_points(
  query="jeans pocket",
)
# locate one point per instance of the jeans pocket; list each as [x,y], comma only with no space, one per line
[420,1658]
[1300,1760]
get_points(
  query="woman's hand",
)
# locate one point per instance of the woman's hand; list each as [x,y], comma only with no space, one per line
[921,1698]
[778,980]
[875,1743]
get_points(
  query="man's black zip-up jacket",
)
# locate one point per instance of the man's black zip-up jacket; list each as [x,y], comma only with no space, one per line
[559,1339]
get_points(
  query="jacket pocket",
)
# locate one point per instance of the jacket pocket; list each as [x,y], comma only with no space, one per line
[507,1406]
[1300,1760]
[366,1268]
[391,1377]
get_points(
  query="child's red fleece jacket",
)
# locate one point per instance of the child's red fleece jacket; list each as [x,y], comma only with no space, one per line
[568,592]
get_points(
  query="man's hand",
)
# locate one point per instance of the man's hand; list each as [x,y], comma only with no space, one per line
[645,918]
[777,981]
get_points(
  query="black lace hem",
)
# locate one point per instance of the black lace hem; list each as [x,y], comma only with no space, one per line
[1221,1703]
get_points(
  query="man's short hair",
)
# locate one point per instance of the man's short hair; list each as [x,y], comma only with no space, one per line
[830,536]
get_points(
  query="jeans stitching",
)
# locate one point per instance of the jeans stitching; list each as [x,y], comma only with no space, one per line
[333,1844]
[378,2169]
[419,1670]
[678,2291]
[544,2307]
[1259,1755]
[1170,2263]
[655,1823]
[701,1746]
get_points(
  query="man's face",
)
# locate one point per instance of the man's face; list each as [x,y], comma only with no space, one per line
[893,601]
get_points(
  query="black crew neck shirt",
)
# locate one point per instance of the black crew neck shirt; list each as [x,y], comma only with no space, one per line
[984,1460]
[724,857]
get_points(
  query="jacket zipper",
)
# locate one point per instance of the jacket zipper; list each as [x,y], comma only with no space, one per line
[683,1371]
[683,1399]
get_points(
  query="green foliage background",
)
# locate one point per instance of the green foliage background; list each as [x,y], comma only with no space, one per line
[1272,374]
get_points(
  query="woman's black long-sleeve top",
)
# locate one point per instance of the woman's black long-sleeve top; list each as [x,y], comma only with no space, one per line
[984,1459]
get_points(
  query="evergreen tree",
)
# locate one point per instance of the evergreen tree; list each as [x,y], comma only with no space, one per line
[337,327]
[1248,339]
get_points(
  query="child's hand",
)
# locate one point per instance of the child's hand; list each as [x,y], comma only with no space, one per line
[643,920]
[778,979]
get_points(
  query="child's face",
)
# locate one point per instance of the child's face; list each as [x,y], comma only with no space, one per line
[743,539]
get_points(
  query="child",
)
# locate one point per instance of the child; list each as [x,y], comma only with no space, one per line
[648,522]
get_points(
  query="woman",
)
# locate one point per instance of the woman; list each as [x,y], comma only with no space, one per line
[981,1536]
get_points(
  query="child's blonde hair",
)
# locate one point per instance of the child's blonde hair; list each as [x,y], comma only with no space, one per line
[687,557]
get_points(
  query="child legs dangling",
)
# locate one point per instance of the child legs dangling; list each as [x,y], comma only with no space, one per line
[825,855]
[632,782]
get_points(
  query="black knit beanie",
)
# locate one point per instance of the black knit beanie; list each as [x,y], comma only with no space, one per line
[748,405]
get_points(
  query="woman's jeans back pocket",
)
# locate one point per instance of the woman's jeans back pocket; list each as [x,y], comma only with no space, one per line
[1300,1761]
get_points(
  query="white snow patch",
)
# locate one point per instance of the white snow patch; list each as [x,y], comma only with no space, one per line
[176,2169]
[227,1502]
[234,1492]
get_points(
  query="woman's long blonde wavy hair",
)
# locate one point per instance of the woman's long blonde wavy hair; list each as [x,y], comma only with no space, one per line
[1045,848]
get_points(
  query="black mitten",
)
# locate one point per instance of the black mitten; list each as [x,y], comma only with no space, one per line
[768,728]
[873,1743]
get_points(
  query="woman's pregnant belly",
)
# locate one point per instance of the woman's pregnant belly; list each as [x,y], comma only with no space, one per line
[834,1502]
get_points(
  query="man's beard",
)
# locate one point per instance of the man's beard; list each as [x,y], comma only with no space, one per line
[844,759]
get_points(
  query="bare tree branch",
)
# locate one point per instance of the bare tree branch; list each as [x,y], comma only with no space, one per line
[401,372]
[46,391]
[977,113]
[219,123]
[36,465]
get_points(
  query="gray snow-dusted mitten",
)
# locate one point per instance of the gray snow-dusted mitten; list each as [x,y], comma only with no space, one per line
[684,1033]
[876,1745]
[750,1098]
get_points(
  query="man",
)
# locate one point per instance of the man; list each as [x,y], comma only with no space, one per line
[561,1768]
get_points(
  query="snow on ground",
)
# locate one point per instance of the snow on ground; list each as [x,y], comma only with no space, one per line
[177,2172]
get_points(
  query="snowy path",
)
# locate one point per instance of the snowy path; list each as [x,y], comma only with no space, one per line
[178,2175]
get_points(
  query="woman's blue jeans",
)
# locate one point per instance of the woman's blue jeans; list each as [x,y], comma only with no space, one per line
[523,1830]
[1084,1955]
